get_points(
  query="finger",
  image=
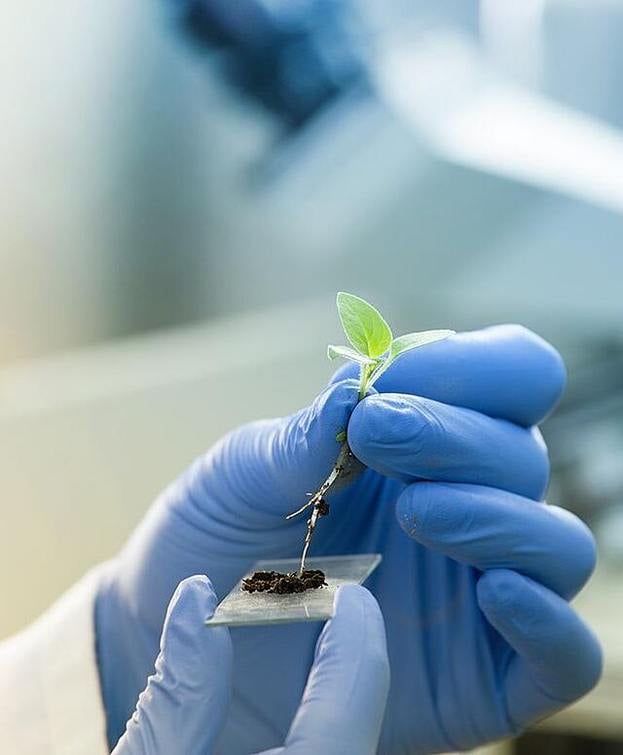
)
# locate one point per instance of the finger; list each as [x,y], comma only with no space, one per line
[504,371]
[558,658]
[412,438]
[184,705]
[491,529]
[344,700]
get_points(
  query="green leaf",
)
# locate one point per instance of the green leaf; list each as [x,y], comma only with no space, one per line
[341,436]
[333,352]
[413,340]
[405,343]
[364,326]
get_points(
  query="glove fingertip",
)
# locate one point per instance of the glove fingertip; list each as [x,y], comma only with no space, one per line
[348,596]
[193,594]
[336,403]
[318,426]
[185,637]
[542,368]
[497,591]
[556,650]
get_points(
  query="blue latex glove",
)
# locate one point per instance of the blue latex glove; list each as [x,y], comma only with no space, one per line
[477,572]
[183,708]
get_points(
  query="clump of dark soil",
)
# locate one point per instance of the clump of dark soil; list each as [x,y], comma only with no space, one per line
[284,584]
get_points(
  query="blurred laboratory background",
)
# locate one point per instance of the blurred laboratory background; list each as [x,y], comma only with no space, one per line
[184,184]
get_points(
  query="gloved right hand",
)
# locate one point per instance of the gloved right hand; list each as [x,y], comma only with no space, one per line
[184,705]
[477,571]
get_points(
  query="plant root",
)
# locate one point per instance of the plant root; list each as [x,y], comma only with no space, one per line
[346,467]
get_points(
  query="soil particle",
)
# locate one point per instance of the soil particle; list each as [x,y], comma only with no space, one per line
[284,584]
[323,507]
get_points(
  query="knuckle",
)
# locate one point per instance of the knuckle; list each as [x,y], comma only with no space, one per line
[552,373]
[587,669]
[542,466]
[419,513]
[498,589]
[580,546]
[585,555]
[594,670]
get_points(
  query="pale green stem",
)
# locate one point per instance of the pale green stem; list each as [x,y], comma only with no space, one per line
[364,375]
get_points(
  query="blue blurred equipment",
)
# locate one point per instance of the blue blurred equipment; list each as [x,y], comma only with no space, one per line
[477,571]
[292,57]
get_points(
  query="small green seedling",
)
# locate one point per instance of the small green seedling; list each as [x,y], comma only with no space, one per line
[374,348]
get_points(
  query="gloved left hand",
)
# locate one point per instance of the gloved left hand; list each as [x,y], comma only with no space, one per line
[183,707]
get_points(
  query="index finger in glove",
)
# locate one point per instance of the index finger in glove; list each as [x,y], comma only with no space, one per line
[492,529]
[344,700]
[557,657]
[412,438]
[505,371]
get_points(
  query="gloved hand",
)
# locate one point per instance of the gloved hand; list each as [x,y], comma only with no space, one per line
[476,574]
[183,708]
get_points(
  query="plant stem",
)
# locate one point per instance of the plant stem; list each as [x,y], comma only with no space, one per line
[364,373]
[342,468]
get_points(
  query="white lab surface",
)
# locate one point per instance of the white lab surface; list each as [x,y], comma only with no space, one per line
[49,687]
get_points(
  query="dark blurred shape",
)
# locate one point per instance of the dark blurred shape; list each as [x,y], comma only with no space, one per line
[292,56]
[586,432]
[561,744]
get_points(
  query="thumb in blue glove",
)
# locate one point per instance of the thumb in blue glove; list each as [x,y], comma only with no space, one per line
[185,703]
